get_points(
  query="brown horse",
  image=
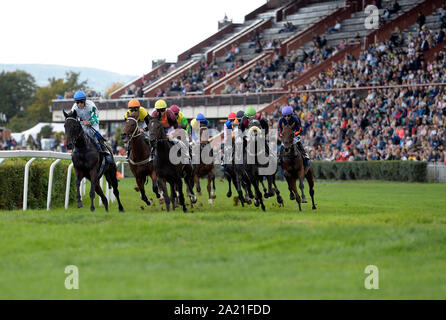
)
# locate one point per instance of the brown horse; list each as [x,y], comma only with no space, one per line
[139,156]
[202,169]
[293,167]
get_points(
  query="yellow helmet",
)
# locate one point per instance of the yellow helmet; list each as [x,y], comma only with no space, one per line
[194,124]
[160,104]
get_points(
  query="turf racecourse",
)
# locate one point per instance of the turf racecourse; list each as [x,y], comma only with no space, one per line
[226,252]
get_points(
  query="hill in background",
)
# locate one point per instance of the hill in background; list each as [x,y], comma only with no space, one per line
[99,80]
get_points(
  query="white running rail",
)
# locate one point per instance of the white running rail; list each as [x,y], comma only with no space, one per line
[59,156]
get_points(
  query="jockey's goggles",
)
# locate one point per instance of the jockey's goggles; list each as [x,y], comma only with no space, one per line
[80,101]
[162,110]
[133,109]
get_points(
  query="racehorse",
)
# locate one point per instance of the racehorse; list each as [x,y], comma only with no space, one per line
[293,167]
[231,175]
[271,178]
[139,156]
[250,171]
[202,170]
[89,163]
[167,172]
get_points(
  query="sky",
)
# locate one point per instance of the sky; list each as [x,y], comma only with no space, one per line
[122,36]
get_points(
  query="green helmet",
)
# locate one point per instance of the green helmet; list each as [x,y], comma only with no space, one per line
[250,112]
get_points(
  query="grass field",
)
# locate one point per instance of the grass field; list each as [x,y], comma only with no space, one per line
[227,252]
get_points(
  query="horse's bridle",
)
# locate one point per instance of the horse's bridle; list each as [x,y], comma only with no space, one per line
[74,139]
[134,135]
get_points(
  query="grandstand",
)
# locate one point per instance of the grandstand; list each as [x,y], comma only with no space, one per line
[283,49]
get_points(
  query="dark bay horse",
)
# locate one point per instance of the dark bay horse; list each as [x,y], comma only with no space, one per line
[230,173]
[88,162]
[166,171]
[204,169]
[139,156]
[293,167]
[249,172]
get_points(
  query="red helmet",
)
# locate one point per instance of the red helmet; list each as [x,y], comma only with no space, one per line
[174,108]
[232,116]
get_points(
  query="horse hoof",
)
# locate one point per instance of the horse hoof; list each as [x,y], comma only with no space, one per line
[292,196]
[142,207]
[199,193]
[249,201]
[79,205]
[213,196]
[314,208]
[256,203]
[210,201]
[136,189]
[263,207]
[229,194]
[92,209]
[121,210]
[304,200]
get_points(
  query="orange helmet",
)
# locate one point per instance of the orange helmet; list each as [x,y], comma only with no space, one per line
[134,103]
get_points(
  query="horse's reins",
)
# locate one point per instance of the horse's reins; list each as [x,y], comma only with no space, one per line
[134,135]
[74,139]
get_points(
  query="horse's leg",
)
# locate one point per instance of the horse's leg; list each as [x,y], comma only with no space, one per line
[292,185]
[214,191]
[265,193]
[140,183]
[270,180]
[278,196]
[208,187]
[79,177]
[113,182]
[258,194]
[163,185]
[155,184]
[197,184]
[228,177]
[237,183]
[172,194]
[102,195]
[181,195]
[93,180]
[301,187]
[310,179]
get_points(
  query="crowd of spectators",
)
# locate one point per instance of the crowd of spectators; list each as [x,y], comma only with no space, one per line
[400,123]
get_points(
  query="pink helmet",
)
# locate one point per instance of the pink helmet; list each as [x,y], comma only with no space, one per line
[174,108]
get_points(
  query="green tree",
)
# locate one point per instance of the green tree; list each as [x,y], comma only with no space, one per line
[45,132]
[17,90]
[40,109]
[70,83]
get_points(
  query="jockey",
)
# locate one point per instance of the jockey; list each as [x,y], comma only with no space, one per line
[143,118]
[289,119]
[194,132]
[227,132]
[181,119]
[250,114]
[169,122]
[88,114]
[204,123]
[238,116]
[227,128]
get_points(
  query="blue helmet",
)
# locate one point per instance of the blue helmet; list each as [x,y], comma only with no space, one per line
[79,95]
[287,111]
[202,119]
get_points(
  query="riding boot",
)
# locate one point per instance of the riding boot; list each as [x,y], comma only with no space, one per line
[304,153]
[147,140]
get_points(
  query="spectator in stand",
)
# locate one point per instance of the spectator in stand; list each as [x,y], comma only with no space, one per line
[421,20]
[336,28]
[395,8]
